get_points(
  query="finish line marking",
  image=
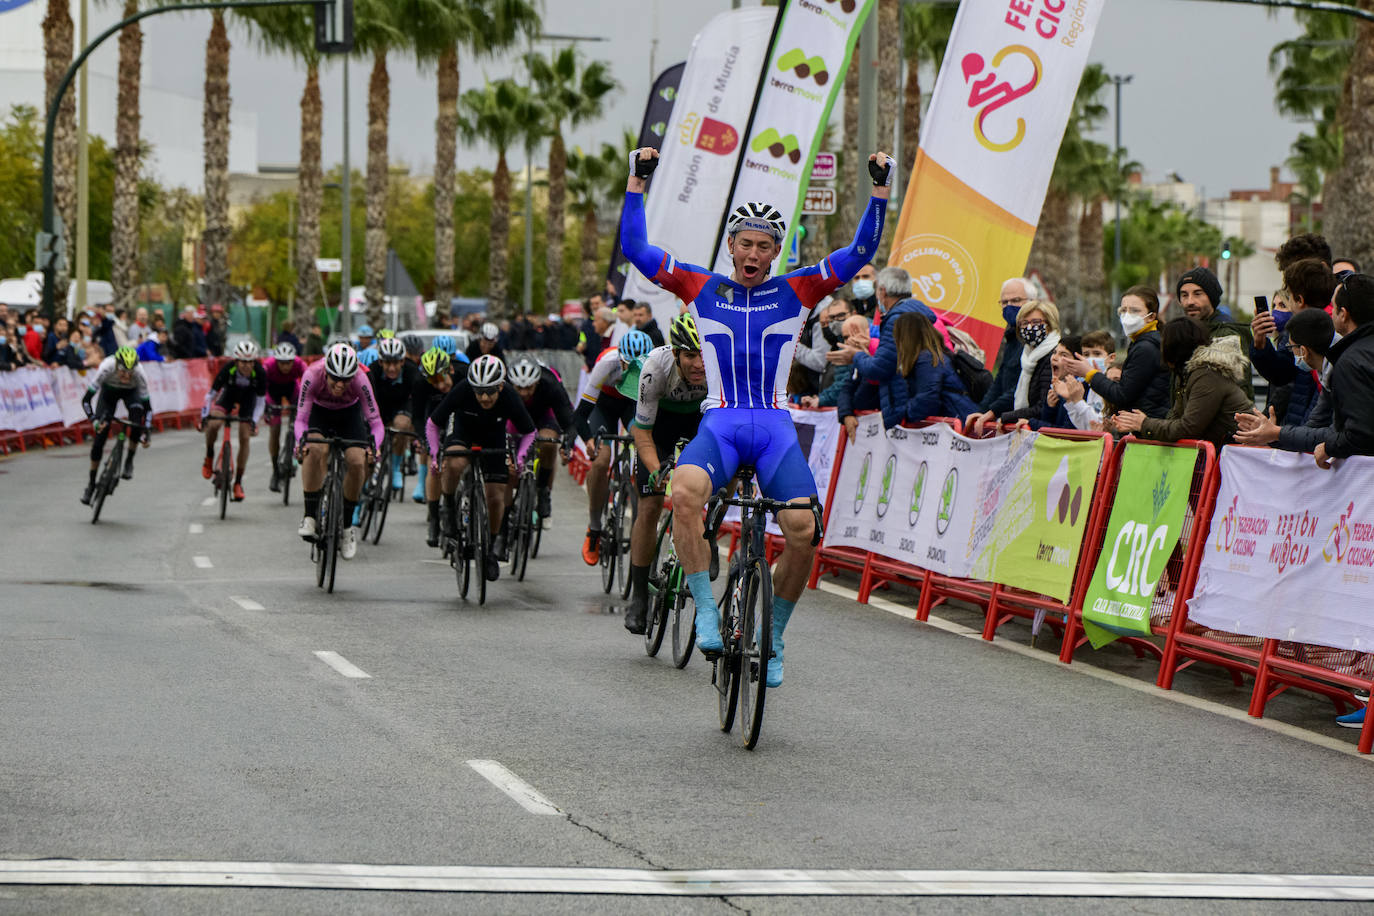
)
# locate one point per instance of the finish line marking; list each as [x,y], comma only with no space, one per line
[341,664]
[524,794]
[1238,715]
[690,883]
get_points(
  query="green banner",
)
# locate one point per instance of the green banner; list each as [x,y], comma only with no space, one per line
[1147,518]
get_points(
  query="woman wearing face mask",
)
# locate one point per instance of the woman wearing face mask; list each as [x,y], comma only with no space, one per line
[1037,328]
[1144,382]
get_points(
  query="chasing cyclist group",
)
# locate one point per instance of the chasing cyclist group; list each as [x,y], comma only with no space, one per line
[719,385]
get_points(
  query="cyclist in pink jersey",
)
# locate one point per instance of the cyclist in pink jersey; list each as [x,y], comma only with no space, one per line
[284,374]
[335,401]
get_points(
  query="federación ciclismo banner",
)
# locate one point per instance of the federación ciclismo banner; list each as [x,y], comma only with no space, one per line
[701,147]
[1290,554]
[799,84]
[1012,509]
[988,146]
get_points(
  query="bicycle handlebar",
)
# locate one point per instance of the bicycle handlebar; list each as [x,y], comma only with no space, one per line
[774,506]
[333,441]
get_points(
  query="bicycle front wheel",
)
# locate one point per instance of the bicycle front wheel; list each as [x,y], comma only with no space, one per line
[335,524]
[225,477]
[105,482]
[610,528]
[287,466]
[480,537]
[623,533]
[522,525]
[322,536]
[726,671]
[462,549]
[660,596]
[756,648]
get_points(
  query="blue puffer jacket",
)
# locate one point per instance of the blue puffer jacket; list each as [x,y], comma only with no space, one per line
[1278,368]
[881,367]
[936,391]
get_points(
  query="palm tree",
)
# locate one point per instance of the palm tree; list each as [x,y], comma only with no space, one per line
[499,114]
[483,28]
[593,179]
[1350,188]
[215,124]
[124,236]
[925,32]
[571,96]
[1315,156]
[57,52]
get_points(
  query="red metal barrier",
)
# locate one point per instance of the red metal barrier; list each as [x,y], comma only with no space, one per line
[1333,673]
[836,559]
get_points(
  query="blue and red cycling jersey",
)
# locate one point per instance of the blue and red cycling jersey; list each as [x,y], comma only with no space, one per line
[748,335]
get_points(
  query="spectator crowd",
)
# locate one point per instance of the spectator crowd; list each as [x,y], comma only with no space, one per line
[27,338]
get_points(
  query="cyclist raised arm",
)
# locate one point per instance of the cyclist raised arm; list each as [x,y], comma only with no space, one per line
[749,323]
[119,379]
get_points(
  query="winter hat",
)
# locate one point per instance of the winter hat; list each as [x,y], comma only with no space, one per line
[1203,278]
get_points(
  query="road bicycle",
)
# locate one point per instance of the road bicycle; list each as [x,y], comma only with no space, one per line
[324,550]
[223,477]
[618,519]
[739,671]
[526,528]
[468,546]
[286,453]
[669,598]
[108,478]
[378,491]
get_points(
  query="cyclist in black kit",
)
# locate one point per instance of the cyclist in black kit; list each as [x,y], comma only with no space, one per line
[475,414]
[548,405]
[242,382]
[437,376]
[393,384]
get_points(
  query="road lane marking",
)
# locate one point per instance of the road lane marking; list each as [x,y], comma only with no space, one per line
[208,501]
[248,604]
[196,528]
[341,664]
[907,612]
[691,883]
[202,561]
[524,794]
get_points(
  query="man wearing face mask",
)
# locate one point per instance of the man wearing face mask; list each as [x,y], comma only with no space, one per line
[1311,335]
[814,344]
[1310,284]
[865,301]
[1015,293]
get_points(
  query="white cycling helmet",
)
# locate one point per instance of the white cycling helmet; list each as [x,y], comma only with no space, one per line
[758,217]
[284,352]
[486,372]
[390,348]
[341,361]
[245,349]
[524,373]
[490,331]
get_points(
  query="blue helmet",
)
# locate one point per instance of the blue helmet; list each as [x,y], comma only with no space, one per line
[369,356]
[364,330]
[446,343]
[634,345]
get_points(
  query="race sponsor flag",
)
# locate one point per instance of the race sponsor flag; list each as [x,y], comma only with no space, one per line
[1001,102]
[805,70]
[701,146]
[658,113]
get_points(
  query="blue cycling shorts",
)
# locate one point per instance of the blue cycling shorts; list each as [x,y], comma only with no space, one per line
[731,436]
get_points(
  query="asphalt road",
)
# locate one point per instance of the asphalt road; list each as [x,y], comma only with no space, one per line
[160,707]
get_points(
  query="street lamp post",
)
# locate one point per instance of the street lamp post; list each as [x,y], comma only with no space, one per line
[1118,82]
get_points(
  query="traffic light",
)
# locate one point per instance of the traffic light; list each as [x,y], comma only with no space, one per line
[334,26]
[1226,251]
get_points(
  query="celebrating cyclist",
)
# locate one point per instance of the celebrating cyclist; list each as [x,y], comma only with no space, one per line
[437,376]
[119,380]
[607,404]
[749,323]
[337,402]
[546,400]
[393,384]
[474,415]
[672,385]
[241,383]
[283,371]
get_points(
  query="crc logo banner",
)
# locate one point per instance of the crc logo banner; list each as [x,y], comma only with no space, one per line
[997,116]
[1146,521]
[1291,550]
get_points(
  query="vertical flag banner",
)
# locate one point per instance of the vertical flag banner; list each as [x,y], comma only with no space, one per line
[1147,519]
[803,76]
[701,146]
[1001,102]
[658,114]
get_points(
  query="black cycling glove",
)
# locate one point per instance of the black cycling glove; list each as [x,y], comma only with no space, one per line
[882,174]
[642,168]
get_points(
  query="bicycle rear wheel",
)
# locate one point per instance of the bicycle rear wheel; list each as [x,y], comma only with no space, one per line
[683,619]
[726,673]
[286,466]
[225,476]
[383,501]
[335,523]
[522,526]
[756,647]
[322,536]
[660,595]
[105,482]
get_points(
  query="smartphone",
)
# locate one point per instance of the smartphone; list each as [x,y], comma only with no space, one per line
[1261,304]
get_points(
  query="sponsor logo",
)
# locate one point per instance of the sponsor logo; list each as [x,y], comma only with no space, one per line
[918,495]
[991,92]
[948,492]
[803,66]
[824,9]
[1062,498]
[946,277]
[777,145]
[657,128]
[885,492]
[861,492]
[667,93]
[1237,533]
[706,133]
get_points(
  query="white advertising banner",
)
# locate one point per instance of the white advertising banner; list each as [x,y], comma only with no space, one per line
[32,398]
[1290,554]
[818,434]
[701,147]
[800,82]
[27,400]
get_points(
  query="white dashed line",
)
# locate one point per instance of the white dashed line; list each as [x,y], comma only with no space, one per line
[524,794]
[208,501]
[341,664]
[202,562]
[196,528]
[248,604]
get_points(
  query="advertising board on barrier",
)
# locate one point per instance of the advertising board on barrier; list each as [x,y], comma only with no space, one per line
[1011,509]
[1147,519]
[27,400]
[33,398]
[1291,551]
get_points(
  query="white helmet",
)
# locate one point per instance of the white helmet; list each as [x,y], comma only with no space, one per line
[758,217]
[391,348]
[490,331]
[245,349]
[486,372]
[524,373]
[341,361]
[284,352]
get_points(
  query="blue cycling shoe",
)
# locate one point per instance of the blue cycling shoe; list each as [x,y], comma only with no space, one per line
[418,495]
[1351,719]
[357,515]
[782,612]
[708,629]
[397,481]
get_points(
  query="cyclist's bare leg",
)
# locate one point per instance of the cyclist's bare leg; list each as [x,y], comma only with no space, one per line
[598,486]
[213,423]
[794,566]
[355,460]
[452,472]
[401,443]
[497,500]
[274,439]
[313,467]
[245,434]
[645,527]
[691,489]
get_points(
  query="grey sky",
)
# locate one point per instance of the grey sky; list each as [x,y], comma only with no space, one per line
[1201,103]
